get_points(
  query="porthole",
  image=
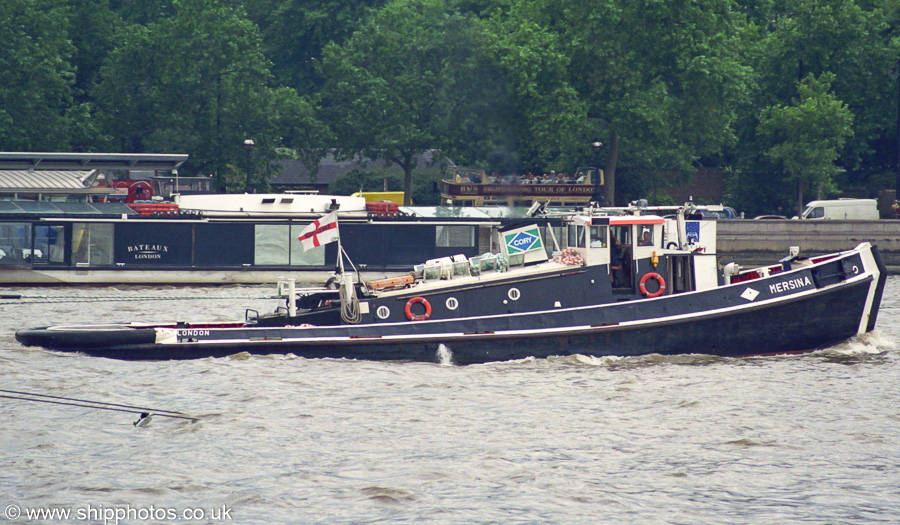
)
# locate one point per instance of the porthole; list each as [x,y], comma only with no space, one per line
[452,303]
[382,312]
[514,294]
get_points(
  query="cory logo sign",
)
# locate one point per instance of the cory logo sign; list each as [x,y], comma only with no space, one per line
[523,241]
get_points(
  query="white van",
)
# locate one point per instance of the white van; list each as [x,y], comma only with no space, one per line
[860,209]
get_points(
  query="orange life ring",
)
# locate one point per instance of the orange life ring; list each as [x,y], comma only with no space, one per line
[659,280]
[415,300]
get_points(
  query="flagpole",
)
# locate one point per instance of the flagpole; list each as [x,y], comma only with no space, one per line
[340,255]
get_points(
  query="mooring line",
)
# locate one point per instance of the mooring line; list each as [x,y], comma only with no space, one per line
[145,412]
[23,299]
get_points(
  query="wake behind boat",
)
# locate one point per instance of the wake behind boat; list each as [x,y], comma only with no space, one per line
[620,285]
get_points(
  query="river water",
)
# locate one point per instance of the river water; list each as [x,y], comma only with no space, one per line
[695,439]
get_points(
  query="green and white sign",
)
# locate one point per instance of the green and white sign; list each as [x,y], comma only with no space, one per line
[524,240]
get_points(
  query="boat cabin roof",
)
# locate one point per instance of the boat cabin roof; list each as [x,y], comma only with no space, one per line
[620,220]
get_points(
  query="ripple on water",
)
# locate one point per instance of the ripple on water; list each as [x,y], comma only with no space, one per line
[573,439]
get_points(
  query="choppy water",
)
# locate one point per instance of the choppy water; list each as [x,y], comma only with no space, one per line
[695,439]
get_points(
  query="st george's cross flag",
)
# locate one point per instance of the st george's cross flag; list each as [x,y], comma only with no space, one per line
[322,231]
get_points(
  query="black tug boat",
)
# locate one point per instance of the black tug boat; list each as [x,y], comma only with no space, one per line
[624,285]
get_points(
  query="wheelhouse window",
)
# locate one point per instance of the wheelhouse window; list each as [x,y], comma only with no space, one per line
[576,236]
[645,237]
[620,235]
[598,236]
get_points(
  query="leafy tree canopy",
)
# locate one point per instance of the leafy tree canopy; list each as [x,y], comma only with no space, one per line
[401,84]
[37,107]
[198,82]
[805,136]
[657,81]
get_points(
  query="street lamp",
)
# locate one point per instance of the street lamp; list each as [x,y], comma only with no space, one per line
[248,145]
[597,195]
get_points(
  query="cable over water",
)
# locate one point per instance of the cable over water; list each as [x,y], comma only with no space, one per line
[144,412]
[43,299]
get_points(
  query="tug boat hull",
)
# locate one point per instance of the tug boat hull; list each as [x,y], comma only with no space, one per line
[792,311]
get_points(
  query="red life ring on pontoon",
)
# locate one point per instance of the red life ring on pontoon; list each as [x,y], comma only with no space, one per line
[659,280]
[417,300]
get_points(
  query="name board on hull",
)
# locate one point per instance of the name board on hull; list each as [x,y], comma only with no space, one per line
[149,244]
[147,251]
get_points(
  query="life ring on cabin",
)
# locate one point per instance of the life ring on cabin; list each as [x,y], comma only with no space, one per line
[659,280]
[417,300]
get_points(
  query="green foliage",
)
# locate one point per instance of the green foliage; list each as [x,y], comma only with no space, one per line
[656,81]
[37,108]
[296,31]
[359,180]
[423,193]
[507,85]
[787,41]
[845,39]
[806,135]
[144,12]
[92,29]
[398,87]
[199,82]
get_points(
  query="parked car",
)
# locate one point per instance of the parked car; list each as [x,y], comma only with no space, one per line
[714,212]
[860,209]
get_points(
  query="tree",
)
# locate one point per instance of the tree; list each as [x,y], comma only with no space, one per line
[805,136]
[296,31]
[198,82]
[657,81]
[842,37]
[401,84]
[93,26]
[144,12]
[37,109]
[785,42]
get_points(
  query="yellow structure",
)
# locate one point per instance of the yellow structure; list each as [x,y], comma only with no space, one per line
[380,196]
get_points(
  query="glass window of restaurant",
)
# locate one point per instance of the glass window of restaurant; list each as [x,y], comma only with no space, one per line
[15,243]
[277,245]
[92,243]
[49,244]
[455,236]
[272,244]
[313,257]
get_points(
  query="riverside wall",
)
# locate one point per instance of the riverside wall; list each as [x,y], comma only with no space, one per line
[750,242]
